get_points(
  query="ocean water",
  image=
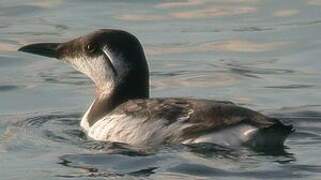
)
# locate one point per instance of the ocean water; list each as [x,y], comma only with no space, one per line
[262,54]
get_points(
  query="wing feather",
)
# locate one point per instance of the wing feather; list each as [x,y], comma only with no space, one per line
[198,116]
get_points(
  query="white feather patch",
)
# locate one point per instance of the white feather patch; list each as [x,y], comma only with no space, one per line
[96,68]
[135,131]
[84,124]
[230,136]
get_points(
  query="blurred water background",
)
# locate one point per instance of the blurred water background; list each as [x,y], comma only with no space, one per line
[262,54]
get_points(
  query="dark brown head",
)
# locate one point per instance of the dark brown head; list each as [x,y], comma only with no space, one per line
[113,59]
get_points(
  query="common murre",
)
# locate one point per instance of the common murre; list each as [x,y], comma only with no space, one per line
[123,112]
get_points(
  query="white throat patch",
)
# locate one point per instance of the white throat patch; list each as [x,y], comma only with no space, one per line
[96,68]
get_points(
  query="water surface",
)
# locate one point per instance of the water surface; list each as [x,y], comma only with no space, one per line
[262,54]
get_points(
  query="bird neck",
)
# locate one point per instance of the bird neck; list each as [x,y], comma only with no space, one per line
[133,87]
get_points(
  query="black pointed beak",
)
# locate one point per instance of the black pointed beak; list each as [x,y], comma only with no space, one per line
[42,49]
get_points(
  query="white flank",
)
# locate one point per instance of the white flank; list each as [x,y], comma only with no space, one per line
[230,136]
[135,131]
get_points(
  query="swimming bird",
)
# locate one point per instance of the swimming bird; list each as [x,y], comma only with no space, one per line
[123,111]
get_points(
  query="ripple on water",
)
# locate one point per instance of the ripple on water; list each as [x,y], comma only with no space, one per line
[291,86]
[206,171]
[4,88]
[105,159]
[253,29]
[111,164]
[255,72]
[69,78]
[18,10]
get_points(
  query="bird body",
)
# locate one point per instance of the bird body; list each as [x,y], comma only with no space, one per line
[152,122]
[123,112]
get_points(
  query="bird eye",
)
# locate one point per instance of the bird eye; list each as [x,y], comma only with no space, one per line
[91,48]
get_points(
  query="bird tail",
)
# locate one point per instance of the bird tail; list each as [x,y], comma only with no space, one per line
[271,137]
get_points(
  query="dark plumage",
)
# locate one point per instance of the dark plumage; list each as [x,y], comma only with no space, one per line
[206,116]
[122,110]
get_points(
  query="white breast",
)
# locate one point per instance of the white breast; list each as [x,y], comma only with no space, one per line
[135,131]
[139,132]
[84,121]
[144,132]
